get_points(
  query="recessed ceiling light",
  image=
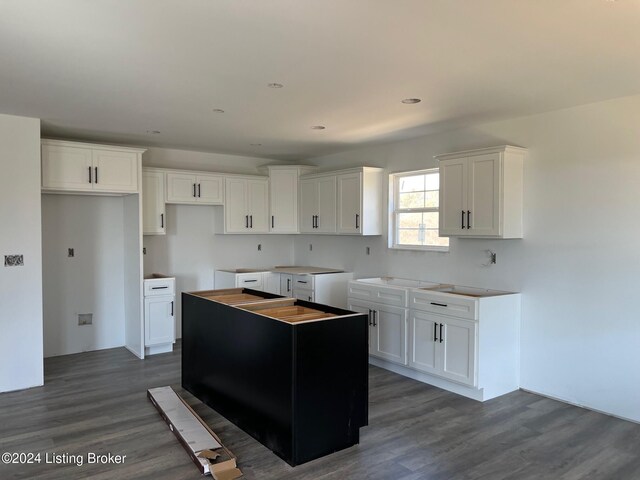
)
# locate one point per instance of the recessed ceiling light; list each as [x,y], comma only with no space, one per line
[217,110]
[411,100]
[318,127]
[153,132]
[255,144]
[275,85]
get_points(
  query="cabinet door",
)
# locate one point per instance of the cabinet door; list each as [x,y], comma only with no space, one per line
[286,285]
[458,350]
[258,205]
[453,197]
[236,215]
[67,168]
[349,209]
[153,211]
[423,342]
[389,333]
[303,295]
[271,282]
[181,188]
[326,219]
[308,205]
[209,189]
[159,323]
[483,200]
[115,171]
[283,200]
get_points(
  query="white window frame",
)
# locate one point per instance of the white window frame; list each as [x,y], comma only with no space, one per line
[394,191]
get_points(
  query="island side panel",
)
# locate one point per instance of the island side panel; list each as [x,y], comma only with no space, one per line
[240,364]
[331,385]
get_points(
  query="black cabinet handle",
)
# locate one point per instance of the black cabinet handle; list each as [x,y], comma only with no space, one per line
[194,190]
[309,298]
[96,169]
[90,181]
[162,220]
[246,221]
[249,281]
[303,281]
[199,191]
[375,317]
[317,221]
[159,288]
[435,332]
[370,315]
[469,219]
[288,284]
[462,221]
[250,221]
[439,304]
[357,221]
[441,340]
[313,221]
[271,221]
[172,308]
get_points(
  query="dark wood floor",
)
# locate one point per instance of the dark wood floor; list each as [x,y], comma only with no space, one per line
[96,402]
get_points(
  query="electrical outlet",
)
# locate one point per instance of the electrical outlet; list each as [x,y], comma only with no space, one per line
[259,247]
[310,247]
[85,319]
[13,260]
[368,250]
[71,252]
[144,250]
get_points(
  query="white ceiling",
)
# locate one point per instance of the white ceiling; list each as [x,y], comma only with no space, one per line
[112,70]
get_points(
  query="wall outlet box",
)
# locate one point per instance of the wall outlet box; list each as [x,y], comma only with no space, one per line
[85,319]
[13,260]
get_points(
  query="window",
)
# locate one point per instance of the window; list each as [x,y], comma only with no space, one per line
[414,211]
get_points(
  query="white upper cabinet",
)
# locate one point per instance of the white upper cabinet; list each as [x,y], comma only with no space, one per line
[195,188]
[246,205]
[481,193]
[359,207]
[82,167]
[153,206]
[318,204]
[283,198]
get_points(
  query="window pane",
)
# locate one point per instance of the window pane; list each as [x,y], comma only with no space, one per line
[411,200]
[409,220]
[432,181]
[433,239]
[408,237]
[430,219]
[431,199]
[411,184]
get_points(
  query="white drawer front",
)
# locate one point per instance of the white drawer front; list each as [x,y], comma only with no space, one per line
[303,294]
[159,286]
[453,305]
[249,280]
[396,297]
[303,282]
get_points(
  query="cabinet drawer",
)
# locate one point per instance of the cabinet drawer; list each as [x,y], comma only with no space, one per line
[249,280]
[303,282]
[444,304]
[159,286]
[396,297]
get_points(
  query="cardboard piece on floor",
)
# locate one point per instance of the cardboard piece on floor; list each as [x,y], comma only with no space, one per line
[200,442]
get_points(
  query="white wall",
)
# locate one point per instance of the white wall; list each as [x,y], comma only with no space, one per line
[90,282]
[578,266]
[21,363]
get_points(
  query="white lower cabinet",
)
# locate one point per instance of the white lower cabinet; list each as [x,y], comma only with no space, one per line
[159,314]
[443,346]
[463,339]
[387,330]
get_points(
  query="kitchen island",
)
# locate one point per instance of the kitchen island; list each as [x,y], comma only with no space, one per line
[292,374]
